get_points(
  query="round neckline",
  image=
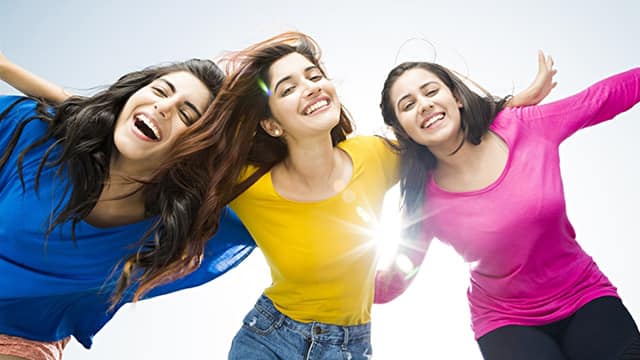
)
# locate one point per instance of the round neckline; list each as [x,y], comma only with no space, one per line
[146,221]
[433,185]
[320,201]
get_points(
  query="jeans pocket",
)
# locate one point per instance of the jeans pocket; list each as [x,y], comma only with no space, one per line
[259,322]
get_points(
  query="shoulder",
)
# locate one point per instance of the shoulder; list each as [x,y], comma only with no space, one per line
[361,145]
[247,172]
[374,153]
[17,114]
[13,106]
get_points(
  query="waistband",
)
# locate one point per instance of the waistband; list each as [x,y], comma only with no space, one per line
[316,331]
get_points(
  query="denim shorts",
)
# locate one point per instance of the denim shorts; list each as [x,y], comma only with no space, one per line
[268,334]
[32,349]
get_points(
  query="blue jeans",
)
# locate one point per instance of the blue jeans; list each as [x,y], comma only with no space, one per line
[268,334]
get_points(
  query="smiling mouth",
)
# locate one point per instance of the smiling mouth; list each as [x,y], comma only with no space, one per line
[146,127]
[316,106]
[429,122]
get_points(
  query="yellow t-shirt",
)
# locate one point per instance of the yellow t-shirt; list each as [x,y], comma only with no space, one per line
[321,253]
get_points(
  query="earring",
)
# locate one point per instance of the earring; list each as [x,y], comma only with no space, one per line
[276,132]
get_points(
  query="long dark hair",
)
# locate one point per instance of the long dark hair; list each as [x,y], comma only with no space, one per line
[82,127]
[237,139]
[416,161]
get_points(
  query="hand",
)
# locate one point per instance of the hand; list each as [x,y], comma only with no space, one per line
[541,86]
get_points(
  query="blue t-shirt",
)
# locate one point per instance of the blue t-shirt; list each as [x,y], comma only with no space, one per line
[52,288]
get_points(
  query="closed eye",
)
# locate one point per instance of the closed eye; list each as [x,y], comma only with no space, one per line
[159,91]
[407,106]
[288,90]
[186,119]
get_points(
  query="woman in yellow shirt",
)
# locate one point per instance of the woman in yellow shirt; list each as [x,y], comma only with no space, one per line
[312,201]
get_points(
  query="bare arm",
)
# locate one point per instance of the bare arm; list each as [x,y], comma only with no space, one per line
[541,85]
[393,279]
[29,83]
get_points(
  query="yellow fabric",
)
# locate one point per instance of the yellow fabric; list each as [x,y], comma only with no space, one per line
[321,254]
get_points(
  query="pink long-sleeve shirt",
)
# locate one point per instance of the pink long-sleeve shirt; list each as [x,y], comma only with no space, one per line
[526,266]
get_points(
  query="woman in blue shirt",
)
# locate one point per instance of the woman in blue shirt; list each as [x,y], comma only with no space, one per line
[103,201]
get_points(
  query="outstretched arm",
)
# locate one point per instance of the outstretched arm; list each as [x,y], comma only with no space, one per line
[29,83]
[599,102]
[541,85]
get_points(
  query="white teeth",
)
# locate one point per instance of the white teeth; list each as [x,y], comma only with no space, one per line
[432,120]
[150,124]
[316,106]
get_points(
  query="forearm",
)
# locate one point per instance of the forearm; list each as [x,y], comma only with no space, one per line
[31,84]
[540,87]
[394,279]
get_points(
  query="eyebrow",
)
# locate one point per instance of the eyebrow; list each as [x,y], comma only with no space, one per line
[188,103]
[408,95]
[286,78]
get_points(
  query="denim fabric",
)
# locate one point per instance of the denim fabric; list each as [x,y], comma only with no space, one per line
[268,334]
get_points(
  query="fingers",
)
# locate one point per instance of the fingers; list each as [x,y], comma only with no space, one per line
[545,62]
[540,57]
[549,63]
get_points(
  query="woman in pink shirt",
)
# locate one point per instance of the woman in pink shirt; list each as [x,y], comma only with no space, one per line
[485,179]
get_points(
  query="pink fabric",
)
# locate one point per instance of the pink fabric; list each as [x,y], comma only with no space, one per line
[525,264]
[32,350]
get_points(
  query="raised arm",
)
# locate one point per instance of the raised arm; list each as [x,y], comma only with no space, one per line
[541,85]
[29,83]
[599,102]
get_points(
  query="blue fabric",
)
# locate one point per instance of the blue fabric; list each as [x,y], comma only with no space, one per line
[53,288]
[267,334]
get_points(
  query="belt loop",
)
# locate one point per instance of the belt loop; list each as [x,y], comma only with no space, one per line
[280,320]
[346,336]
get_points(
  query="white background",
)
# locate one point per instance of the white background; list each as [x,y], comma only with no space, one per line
[82,44]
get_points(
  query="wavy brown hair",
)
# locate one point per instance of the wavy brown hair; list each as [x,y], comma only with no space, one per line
[82,128]
[236,137]
[416,161]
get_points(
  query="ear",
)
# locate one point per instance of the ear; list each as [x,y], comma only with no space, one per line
[271,127]
[458,101]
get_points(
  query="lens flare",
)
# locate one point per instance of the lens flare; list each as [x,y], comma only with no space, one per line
[263,86]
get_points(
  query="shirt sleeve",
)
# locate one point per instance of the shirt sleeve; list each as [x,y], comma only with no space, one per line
[388,159]
[600,102]
[229,247]
[15,111]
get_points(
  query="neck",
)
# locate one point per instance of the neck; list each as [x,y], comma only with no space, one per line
[464,160]
[312,161]
[121,201]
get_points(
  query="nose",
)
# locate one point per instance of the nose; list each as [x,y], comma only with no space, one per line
[426,104]
[165,106]
[313,88]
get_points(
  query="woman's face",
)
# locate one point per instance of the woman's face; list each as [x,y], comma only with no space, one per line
[154,117]
[303,101]
[426,108]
